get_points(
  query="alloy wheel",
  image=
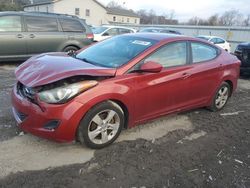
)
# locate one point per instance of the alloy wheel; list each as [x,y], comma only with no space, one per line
[222,97]
[103,127]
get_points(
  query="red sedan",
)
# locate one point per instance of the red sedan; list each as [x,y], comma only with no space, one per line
[118,83]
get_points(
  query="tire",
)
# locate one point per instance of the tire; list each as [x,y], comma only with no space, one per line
[221,97]
[70,49]
[101,125]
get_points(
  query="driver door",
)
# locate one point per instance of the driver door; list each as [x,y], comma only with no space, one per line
[166,91]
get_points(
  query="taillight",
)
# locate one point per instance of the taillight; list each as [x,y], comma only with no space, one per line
[90,36]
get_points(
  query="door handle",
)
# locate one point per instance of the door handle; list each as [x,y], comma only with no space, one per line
[32,36]
[20,36]
[185,75]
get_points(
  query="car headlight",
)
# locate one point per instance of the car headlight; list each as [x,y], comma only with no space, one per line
[65,93]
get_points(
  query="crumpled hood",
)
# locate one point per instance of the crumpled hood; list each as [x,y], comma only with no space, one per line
[51,67]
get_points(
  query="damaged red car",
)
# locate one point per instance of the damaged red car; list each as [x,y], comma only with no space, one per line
[118,83]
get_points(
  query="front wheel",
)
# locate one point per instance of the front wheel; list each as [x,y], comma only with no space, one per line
[101,125]
[221,97]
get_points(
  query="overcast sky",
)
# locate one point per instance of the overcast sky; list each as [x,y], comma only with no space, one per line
[185,9]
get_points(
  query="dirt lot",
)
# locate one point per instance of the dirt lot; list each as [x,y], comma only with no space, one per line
[192,149]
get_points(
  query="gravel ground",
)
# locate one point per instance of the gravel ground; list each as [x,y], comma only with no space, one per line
[192,149]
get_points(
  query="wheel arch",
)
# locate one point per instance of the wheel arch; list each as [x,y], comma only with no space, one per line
[121,103]
[71,45]
[230,83]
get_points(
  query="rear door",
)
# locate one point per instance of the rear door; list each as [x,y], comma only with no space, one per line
[12,37]
[206,72]
[43,34]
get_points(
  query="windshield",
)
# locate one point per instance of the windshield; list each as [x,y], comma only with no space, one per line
[116,51]
[204,38]
[99,30]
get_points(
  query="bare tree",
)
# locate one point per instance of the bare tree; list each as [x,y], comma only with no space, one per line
[231,17]
[12,5]
[246,22]
[213,20]
[114,4]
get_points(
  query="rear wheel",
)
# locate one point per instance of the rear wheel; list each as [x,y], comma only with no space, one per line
[101,125]
[70,49]
[221,97]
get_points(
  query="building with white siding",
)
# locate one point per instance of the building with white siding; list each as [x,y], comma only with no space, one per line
[91,10]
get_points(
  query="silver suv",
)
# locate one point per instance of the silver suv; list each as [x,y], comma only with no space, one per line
[24,34]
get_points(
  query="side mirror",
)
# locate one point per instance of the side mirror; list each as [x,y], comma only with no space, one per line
[105,34]
[151,66]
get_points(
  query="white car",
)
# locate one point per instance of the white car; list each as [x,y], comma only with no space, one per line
[107,31]
[217,41]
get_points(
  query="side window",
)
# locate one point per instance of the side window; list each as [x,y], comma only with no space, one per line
[202,52]
[220,41]
[41,24]
[171,55]
[123,31]
[112,32]
[10,23]
[213,40]
[71,25]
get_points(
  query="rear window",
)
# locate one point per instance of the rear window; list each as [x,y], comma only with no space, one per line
[10,23]
[70,25]
[203,52]
[41,24]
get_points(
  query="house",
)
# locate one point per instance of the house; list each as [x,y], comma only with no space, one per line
[92,11]
[118,15]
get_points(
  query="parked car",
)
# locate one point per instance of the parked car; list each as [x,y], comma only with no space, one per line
[243,53]
[107,31]
[159,30]
[217,41]
[119,83]
[24,34]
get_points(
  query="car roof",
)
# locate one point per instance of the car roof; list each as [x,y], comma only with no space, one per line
[161,36]
[5,13]
[210,37]
[114,26]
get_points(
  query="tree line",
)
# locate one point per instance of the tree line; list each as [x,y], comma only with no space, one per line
[13,5]
[228,18]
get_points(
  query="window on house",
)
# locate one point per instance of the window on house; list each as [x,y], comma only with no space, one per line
[135,21]
[77,11]
[87,13]
[47,9]
[114,19]
[127,19]
[122,19]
